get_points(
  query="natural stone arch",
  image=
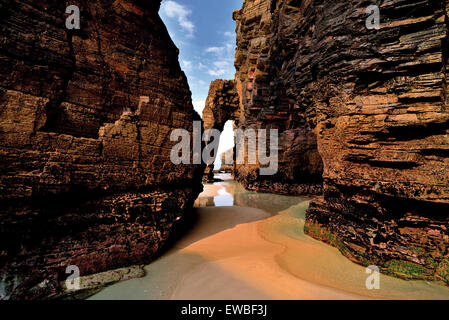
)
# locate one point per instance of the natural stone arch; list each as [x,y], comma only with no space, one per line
[222,105]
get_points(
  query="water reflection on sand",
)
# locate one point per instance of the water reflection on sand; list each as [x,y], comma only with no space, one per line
[230,193]
[248,245]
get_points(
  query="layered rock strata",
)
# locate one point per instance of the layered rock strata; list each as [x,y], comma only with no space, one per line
[227,161]
[265,104]
[222,105]
[85,122]
[366,110]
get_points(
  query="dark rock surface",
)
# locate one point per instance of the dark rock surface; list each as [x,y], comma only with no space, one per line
[222,105]
[364,111]
[265,104]
[227,161]
[85,122]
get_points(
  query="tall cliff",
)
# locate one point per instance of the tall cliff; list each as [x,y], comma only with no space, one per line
[365,111]
[222,104]
[263,103]
[85,122]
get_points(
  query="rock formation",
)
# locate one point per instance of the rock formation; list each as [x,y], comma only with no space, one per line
[85,122]
[86,116]
[365,111]
[222,105]
[261,105]
[227,161]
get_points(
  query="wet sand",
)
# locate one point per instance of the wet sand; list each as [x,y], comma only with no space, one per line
[236,263]
[210,190]
[307,258]
[235,253]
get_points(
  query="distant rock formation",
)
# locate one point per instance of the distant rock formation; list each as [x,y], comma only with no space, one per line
[265,104]
[365,112]
[222,105]
[227,162]
[85,122]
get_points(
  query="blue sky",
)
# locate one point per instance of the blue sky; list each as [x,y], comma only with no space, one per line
[204,32]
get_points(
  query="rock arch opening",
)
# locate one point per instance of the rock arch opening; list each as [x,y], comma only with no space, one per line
[222,105]
[299,167]
[224,162]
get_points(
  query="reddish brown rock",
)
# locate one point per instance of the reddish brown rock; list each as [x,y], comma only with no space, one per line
[222,105]
[85,122]
[266,105]
[379,103]
[227,161]
[366,110]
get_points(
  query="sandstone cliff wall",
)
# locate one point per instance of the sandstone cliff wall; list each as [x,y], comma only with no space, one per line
[222,105]
[265,102]
[85,122]
[227,165]
[366,110]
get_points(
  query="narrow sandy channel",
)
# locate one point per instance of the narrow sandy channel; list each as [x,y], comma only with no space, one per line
[235,253]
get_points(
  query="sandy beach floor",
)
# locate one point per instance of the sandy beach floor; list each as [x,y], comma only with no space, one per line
[223,257]
[316,262]
[240,264]
[210,190]
[235,253]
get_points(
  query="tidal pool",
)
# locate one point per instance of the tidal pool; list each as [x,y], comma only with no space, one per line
[248,245]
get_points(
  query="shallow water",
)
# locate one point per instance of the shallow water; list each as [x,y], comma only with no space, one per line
[312,260]
[248,245]
[230,193]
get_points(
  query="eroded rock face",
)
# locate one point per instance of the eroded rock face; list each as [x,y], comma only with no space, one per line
[85,122]
[265,104]
[222,105]
[227,161]
[374,104]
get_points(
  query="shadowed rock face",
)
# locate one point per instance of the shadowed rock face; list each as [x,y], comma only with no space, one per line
[365,109]
[300,165]
[227,161]
[85,122]
[222,105]
[265,104]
